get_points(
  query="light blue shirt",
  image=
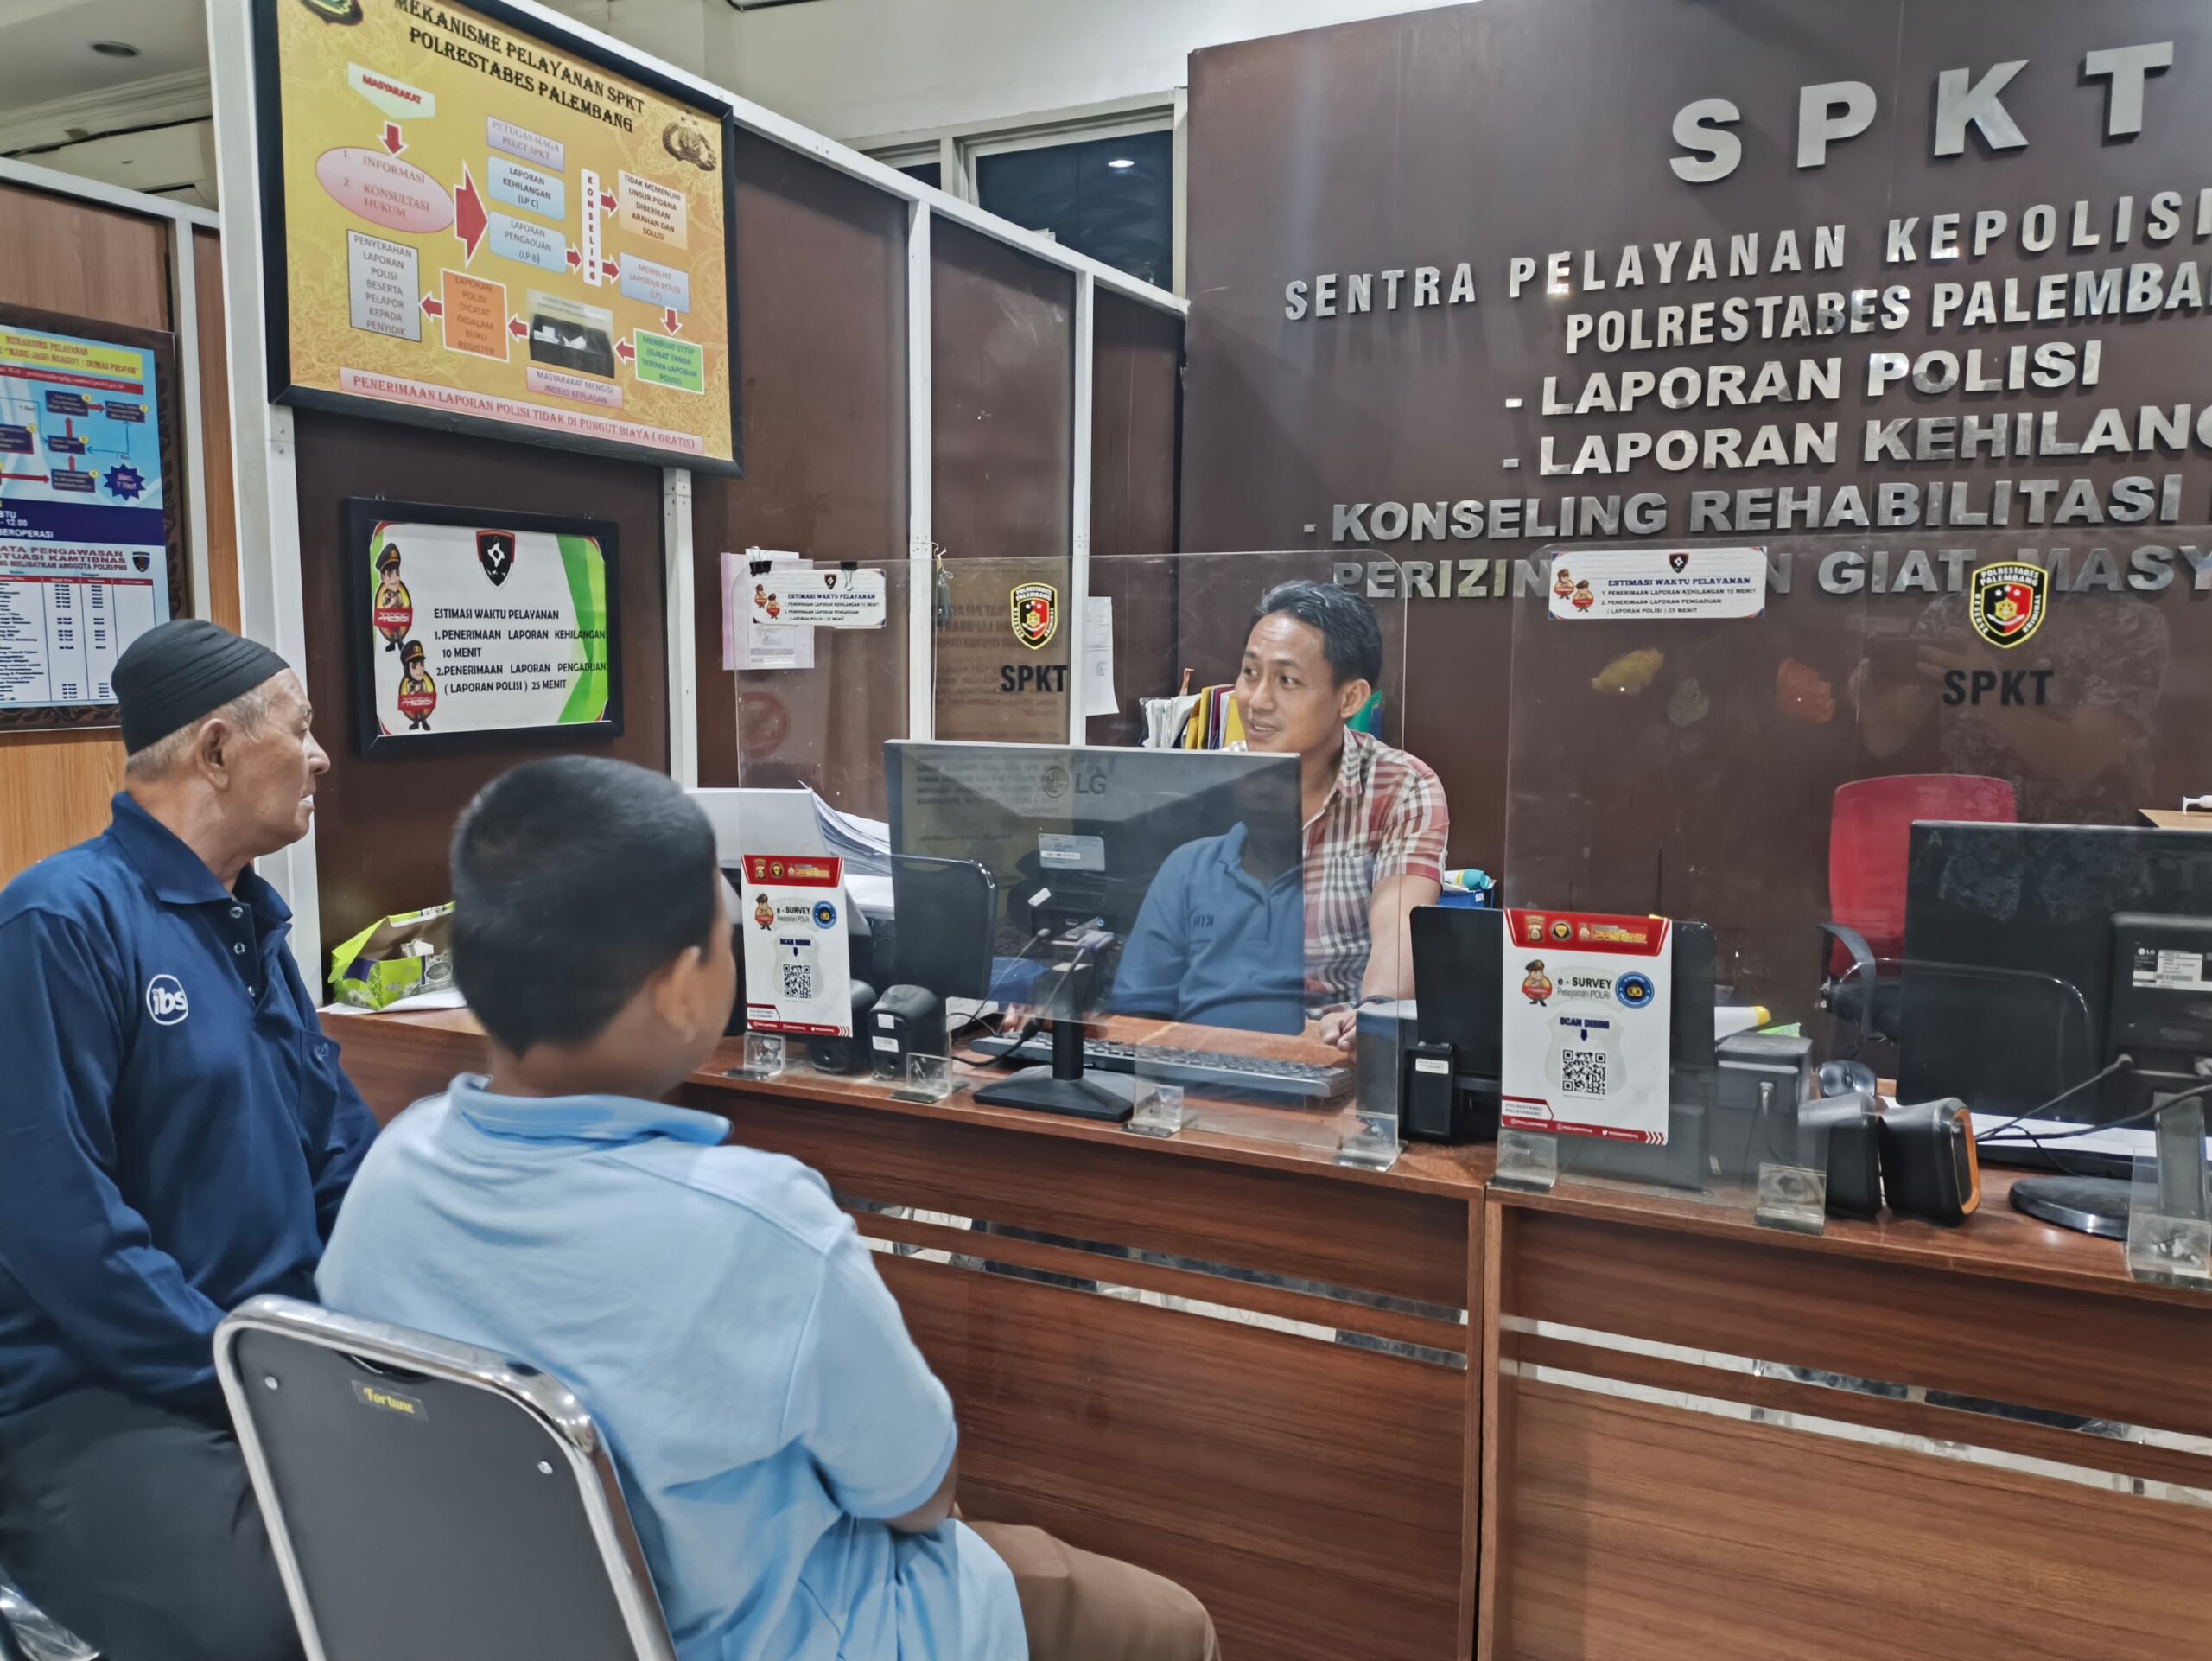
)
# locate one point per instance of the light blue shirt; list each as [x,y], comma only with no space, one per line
[721,1319]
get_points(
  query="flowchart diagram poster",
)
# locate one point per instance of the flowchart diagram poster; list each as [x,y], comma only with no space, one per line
[481,230]
[84,540]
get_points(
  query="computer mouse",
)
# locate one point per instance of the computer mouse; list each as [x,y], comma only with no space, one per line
[1843,1078]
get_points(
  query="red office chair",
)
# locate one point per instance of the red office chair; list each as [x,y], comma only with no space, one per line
[1870,840]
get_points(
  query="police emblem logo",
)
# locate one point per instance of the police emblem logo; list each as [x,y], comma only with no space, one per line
[2006,601]
[495,552]
[1036,614]
[1679,563]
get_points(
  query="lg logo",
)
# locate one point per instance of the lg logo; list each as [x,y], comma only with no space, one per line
[165,1001]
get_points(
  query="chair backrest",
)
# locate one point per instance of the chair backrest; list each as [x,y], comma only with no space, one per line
[428,1499]
[1870,842]
[28,1634]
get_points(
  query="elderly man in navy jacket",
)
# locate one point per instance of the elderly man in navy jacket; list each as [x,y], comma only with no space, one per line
[175,1137]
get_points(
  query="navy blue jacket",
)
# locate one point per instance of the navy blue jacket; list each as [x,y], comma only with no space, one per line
[174,1132]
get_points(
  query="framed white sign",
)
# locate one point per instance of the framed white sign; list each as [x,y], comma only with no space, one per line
[469,622]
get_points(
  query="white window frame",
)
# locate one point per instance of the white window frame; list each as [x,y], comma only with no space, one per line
[957,149]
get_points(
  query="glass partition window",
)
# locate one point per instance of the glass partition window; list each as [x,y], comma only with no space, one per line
[1904,785]
[814,704]
[1693,768]
[1189,902]
[1110,198]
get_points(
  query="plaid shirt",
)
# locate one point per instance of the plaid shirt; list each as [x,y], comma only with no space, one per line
[1384,816]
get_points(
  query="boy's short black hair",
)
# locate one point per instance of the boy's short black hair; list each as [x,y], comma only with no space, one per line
[1351,638]
[574,878]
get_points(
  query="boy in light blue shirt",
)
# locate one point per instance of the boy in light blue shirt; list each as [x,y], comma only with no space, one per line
[788,1457]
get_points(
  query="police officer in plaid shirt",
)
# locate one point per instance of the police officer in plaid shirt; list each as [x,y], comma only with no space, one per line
[1375,829]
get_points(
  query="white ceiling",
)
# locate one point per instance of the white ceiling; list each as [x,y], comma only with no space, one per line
[46,53]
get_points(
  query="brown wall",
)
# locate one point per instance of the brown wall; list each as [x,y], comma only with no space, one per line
[79,259]
[1135,401]
[382,827]
[1001,374]
[821,346]
[1002,382]
[1522,127]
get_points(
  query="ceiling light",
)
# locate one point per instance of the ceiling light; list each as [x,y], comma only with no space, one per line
[1121,162]
[115,48]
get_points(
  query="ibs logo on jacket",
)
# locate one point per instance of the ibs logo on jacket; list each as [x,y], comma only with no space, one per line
[165,1001]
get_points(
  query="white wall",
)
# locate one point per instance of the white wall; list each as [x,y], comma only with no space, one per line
[869,69]
[675,31]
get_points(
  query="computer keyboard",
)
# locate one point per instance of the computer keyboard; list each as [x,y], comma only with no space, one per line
[1207,1072]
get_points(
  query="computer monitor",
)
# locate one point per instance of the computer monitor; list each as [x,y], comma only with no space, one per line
[1076,839]
[1071,833]
[2037,955]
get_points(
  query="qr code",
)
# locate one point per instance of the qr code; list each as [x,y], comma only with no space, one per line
[1582,1073]
[798,983]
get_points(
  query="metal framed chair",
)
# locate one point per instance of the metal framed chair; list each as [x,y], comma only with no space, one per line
[428,1498]
[29,1634]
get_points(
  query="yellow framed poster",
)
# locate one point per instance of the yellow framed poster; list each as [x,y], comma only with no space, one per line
[476,224]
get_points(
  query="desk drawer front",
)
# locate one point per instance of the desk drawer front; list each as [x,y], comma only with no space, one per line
[1700,1445]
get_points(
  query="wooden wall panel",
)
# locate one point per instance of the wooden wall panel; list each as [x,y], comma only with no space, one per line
[1252,1466]
[1001,374]
[1640,1530]
[1136,407]
[821,348]
[53,793]
[1002,385]
[1135,399]
[1871,1319]
[382,827]
[219,487]
[59,254]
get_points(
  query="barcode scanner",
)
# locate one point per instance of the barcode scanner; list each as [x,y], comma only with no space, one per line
[846,1054]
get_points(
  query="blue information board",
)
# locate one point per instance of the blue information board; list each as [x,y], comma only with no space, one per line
[84,537]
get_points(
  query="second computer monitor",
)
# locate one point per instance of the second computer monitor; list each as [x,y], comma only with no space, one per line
[2037,956]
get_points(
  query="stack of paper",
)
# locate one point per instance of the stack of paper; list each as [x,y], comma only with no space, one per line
[864,845]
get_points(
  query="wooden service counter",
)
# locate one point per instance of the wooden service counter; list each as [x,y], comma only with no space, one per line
[1150,1367]
[1682,1437]
[1705,1439]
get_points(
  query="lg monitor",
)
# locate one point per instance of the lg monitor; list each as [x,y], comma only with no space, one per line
[1154,883]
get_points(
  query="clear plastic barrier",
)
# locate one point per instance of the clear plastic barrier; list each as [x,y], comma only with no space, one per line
[1172,923]
[815,704]
[1690,767]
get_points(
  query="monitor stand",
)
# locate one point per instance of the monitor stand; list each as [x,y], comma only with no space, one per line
[1064,1087]
[2087,1204]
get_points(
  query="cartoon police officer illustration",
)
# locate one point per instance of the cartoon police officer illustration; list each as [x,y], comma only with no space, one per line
[1536,987]
[418,694]
[395,606]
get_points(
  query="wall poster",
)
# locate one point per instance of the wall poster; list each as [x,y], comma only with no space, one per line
[467,621]
[476,225]
[90,553]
